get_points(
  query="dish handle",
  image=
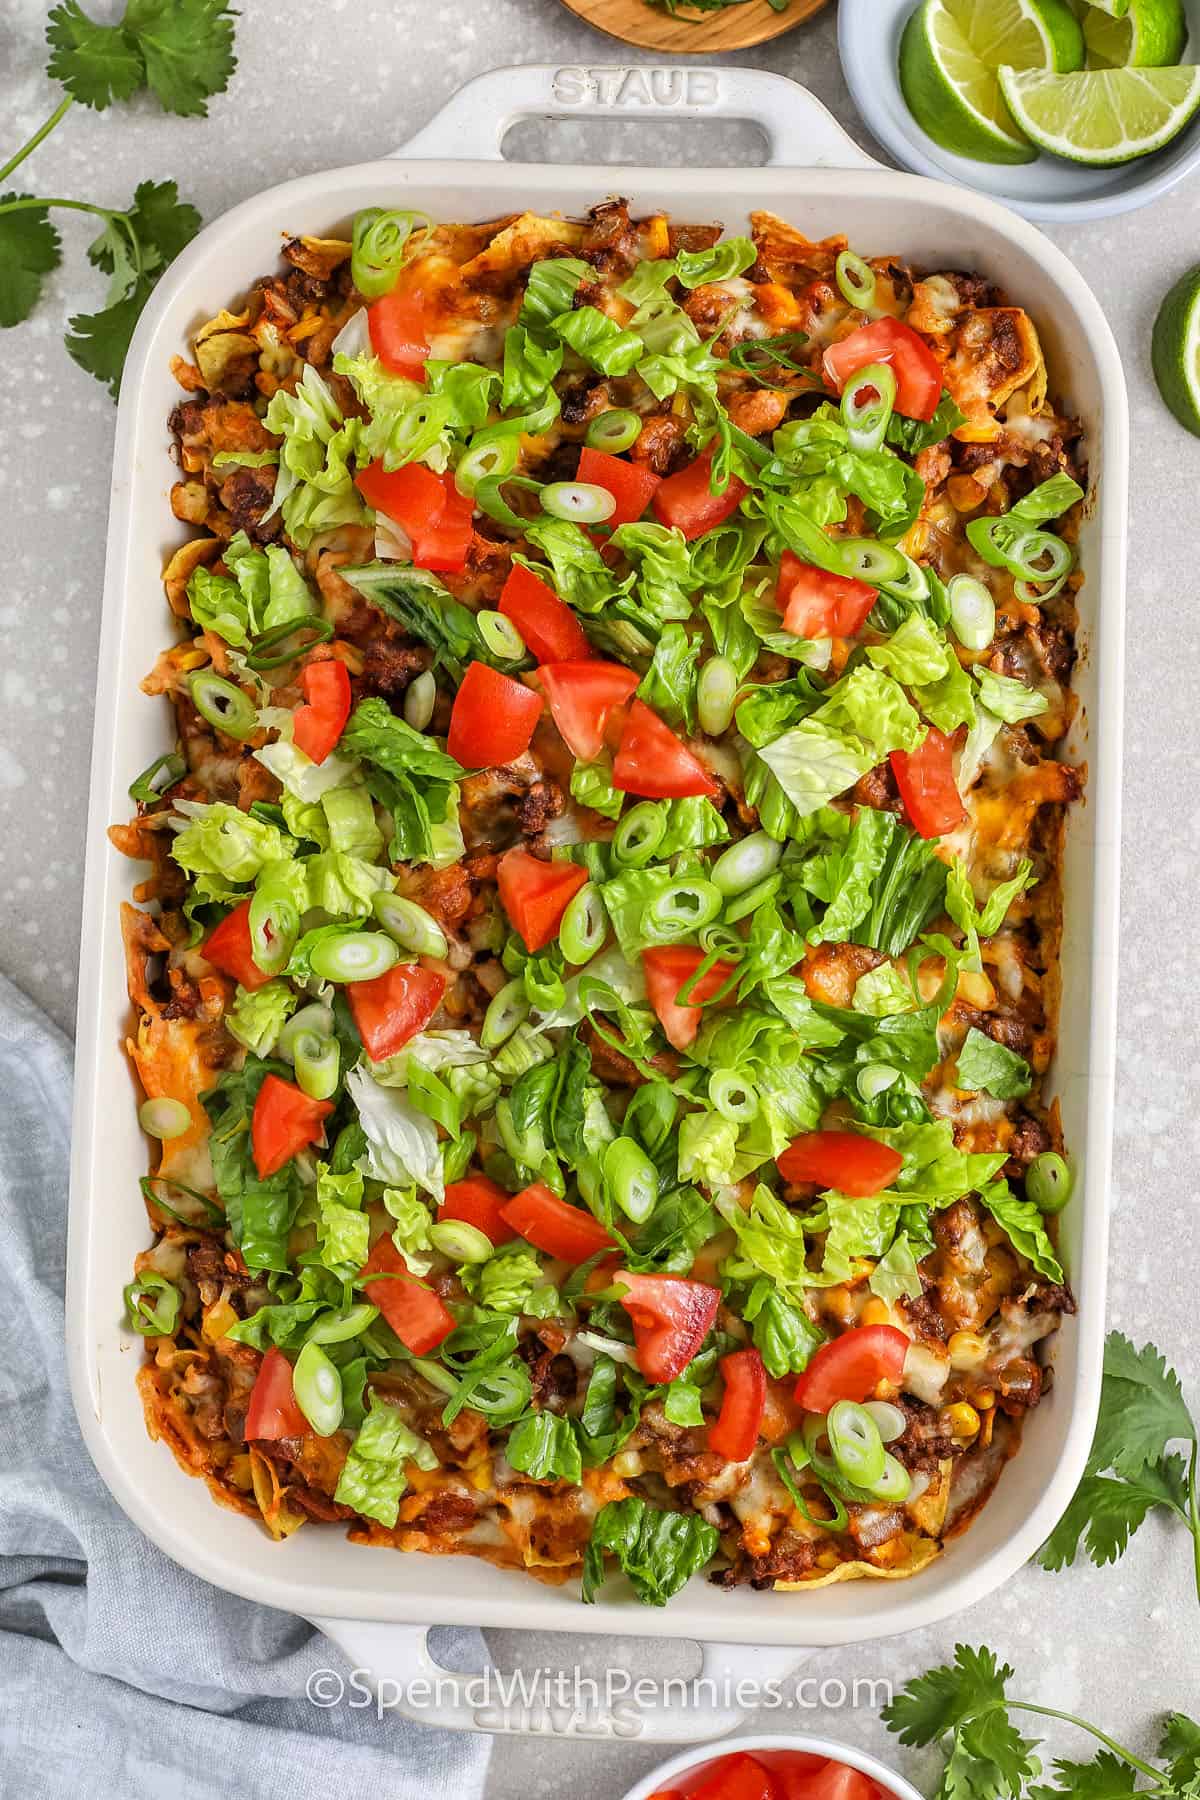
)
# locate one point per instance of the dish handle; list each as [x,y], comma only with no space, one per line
[394,1669]
[801,133]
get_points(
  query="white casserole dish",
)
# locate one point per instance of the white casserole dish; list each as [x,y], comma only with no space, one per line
[818,180]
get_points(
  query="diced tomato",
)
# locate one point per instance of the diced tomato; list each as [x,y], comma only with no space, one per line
[845,1160]
[687,501]
[917,370]
[850,1367]
[742,1406]
[738,1777]
[671,1319]
[834,1782]
[651,760]
[666,970]
[480,1202]
[493,718]
[273,1411]
[399,330]
[549,627]
[925,777]
[816,604]
[284,1122]
[318,724]
[228,948]
[536,894]
[631,484]
[394,1006]
[789,1768]
[551,1225]
[434,516]
[414,1312]
[584,697]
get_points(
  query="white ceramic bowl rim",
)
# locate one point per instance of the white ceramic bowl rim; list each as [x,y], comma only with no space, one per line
[683,1764]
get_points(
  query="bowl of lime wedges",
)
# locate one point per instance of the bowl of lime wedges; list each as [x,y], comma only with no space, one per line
[1063,109]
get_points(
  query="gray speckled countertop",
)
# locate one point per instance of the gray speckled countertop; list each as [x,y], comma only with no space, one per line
[1120,1644]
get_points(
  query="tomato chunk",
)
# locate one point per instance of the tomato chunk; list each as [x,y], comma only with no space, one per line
[493,718]
[536,894]
[584,697]
[480,1202]
[850,1367]
[319,723]
[845,1160]
[917,370]
[273,1411]
[434,516]
[666,969]
[284,1121]
[414,1312]
[742,1406]
[816,604]
[687,501]
[632,485]
[551,1225]
[925,777]
[834,1782]
[228,948]
[738,1777]
[394,1006]
[671,1319]
[549,627]
[651,760]
[399,329]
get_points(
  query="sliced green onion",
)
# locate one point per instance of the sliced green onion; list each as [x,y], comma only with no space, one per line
[483,462]
[682,908]
[856,280]
[972,612]
[501,1395]
[409,924]
[746,862]
[489,498]
[742,905]
[419,697]
[435,1373]
[153,782]
[867,402]
[315,1018]
[913,584]
[584,925]
[509,1008]
[716,692]
[639,833]
[152,1304]
[381,247]
[317,1386]
[1039,556]
[631,1178]
[500,635]
[583,502]
[733,1098]
[354,956]
[164,1118]
[339,1327]
[889,1420]
[866,559]
[615,430]
[1048,1182]
[274,921]
[317,1062]
[222,705]
[855,1441]
[895,1483]
[258,658]
[875,1079]
[461,1242]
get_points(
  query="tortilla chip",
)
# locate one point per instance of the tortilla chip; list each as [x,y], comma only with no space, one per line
[928,1513]
[183,565]
[223,349]
[921,1552]
[525,241]
[278,1517]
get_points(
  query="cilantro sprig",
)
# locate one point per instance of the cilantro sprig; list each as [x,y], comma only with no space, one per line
[1131,1471]
[181,51]
[967,1704]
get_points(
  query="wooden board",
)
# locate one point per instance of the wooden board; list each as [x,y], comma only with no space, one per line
[698,34]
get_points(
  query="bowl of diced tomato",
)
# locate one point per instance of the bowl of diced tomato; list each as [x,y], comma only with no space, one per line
[775,1768]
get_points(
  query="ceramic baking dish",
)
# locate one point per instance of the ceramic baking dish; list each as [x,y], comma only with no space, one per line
[818,180]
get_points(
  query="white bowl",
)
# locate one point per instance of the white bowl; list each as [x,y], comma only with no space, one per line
[869,41]
[691,1759]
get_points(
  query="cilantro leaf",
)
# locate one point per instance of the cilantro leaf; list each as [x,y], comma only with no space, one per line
[133,250]
[938,1701]
[99,342]
[97,64]
[162,221]
[1105,1513]
[1142,1409]
[1180,1747]
[1105,1778]
[186,47]
[29,249]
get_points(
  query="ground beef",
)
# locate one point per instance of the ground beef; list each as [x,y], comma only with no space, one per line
[447,1515]
[1029,1139]
[924,1314]
[246,495]
[610,242]
[877,788]
[389,667]
[790,1558]
[543,801]
[1004,1026]
[579,403]
[552,1375]
[924,1444]
[212,1267]
[660,444]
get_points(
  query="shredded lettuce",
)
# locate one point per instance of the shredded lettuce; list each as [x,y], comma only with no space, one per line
[411,1221]
[896,1276]
[374,1474]
[783,1333]
[1007,698]
[343,1228]
[1025,1227]
[883,992]
[544,1446]
[402,1144]
[984,1066]
[608,347]
[220,839]
[658,1551]
[257,1016]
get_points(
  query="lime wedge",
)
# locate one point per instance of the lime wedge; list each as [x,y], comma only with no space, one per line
[1152,34]
[1116,9]
[949,55]
[1175,350]
[1102,116]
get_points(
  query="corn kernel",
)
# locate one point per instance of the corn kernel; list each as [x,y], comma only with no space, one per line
[828,1559]
[876,1312]
[962,1419]
[975,988]
[219,1320]
[985,1400]
[967,1350]
[627,1463]
[191,659]
[480,1476]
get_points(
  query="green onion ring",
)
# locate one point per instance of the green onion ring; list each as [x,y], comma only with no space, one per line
[584,925]
[868,399]
[580,502]
[317,1385]
[856,280]
[638,834]
[354,956]
[164,1118]
[409,924]
[613,431]
[222,705]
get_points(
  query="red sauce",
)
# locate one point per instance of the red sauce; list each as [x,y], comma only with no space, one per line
[772,1775]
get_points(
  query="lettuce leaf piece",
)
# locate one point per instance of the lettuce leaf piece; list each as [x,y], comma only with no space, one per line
[257,1016]
[883,993]
[914,654]
[343,1228]
[853,874]
[351,821]
[907,891]
[217,604]
[783,1333]
[376,734]
[854,1229]
[669,685]
[693,823]
[344,886]
[707,1149]
[1007,698]
[682,1220]
[374,1474]
[1025,1227]
[411,1219]
[812,764]
[658,1551]
[649,277]
[402,1144]
[427,610]
[720,262]
[607,347]
[984,1066]
[936,1172]
[289,596]
[973,920]
[581,576]
[303,779]
[550,288]
[627,899]
[530,366]
[910,436]
[543,1445]
[513,1282]
[591,785]
[896,1276]
[871,705]
[220,839]
[770,1241]
[667,577]
[314,489]
[890,488]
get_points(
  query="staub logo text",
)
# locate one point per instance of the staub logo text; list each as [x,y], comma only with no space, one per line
[637,87]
